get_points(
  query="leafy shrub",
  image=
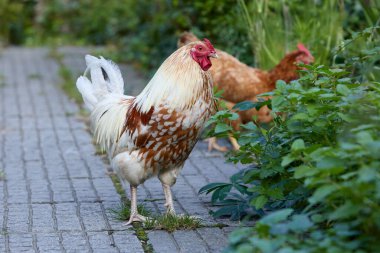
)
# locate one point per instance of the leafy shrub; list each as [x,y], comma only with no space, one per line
[9,16]
[316,168]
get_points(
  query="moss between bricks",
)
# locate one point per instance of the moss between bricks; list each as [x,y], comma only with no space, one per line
[2,175]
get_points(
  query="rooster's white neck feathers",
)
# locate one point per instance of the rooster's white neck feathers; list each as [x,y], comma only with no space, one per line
[175,84]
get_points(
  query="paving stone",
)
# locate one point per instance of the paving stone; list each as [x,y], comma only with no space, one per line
[126,241]
[163,242]
[75,242]
[102,242]
[189,242]
[67,217]
[84,190]
[214,238]
[61,190]
[42,218]
[18,218]
[39,191]
[21,243]
[93,216]
[48,242]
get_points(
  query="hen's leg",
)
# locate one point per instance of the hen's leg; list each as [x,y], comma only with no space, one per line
[169,199]
[234,143]
[212,144]
[135,216]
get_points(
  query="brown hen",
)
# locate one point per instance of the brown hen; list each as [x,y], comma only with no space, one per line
[241,82]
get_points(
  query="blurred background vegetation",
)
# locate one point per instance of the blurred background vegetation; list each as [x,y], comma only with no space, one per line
[258,32]
[338,97]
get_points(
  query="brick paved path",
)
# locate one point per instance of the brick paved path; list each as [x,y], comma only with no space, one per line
[56,193]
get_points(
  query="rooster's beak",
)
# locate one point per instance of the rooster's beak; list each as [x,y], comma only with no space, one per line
[213,55]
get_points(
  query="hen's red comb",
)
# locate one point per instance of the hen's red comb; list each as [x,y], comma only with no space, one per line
[301,47]
[209,45]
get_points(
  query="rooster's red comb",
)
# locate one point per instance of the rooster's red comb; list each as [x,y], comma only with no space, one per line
[209,45]
[301,47]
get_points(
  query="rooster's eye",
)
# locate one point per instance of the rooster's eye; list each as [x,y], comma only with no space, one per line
[200,49]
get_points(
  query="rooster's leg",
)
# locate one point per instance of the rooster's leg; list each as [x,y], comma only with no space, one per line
[169,199]
[212,144]
[234,143]
[135,216]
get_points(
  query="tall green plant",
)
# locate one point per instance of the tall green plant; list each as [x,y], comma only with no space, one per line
[275,28]
[9,14]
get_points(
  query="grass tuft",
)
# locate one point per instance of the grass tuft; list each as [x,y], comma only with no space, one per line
[2,175]
[68,84]
[2,83]
[171,223]
[35,76]
[123,211]
[99,151]
[168,222]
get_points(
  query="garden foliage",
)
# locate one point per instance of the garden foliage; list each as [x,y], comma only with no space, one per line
[258,33]
[314,173]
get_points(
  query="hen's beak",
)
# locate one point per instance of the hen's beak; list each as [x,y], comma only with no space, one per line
[213,55]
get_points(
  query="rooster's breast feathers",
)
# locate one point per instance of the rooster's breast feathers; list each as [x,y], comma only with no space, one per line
[162,137]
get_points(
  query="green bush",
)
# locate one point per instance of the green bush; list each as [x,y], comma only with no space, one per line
[316,170]
[259,33]
[13,18]
[144,32]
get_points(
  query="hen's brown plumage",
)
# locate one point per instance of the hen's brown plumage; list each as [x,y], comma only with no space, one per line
[241,82]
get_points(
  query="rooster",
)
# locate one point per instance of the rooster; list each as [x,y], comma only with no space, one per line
[241,82]
[153,133]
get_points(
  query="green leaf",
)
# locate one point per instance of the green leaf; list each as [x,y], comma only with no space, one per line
[264,245]
[300,116]
[222,127]
[280,85]
[345,211]
[321,193]
[276,216]
[342,89]
[300,223]
[211,187]
[345,117]
[220,193]
[259,202]
[286,160]
[304,171]
[367,174]
[234,116]
[278,102]
[364,137]
[245,105]
[298,144]
[239,234]
[249,126]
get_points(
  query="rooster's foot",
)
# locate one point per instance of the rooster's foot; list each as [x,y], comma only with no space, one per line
[135,217]
[212,144]
[170,209]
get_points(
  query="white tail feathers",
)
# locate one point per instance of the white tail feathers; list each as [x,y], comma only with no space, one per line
[106,79]
[86,88]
